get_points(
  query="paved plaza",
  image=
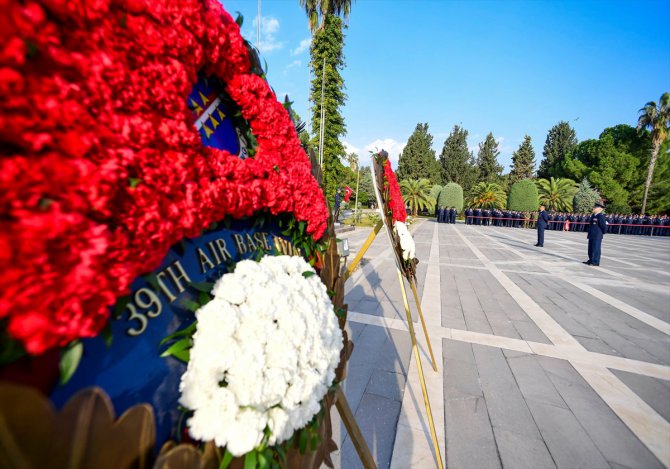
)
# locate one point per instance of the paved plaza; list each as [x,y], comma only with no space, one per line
[542,361]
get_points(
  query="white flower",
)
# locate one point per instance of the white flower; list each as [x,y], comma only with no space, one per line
[406,240]
[264,354]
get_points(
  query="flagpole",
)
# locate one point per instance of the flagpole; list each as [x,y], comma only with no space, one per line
[258,29]
[358,178]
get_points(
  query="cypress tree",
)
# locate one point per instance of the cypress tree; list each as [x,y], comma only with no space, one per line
[417,160]
[523,161]
[487,160]
[457,162]
[328,43]
[561,140]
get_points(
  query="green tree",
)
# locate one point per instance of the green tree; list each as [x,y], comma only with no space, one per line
[561,140]
[523,196]
[366,190]
[457,162]
[557,194]
[585,197]
[609,167]
[327,43]
[352,161]
[417,160]
[628,140]
[657,120]
[416,193]
[435,191]
[488,195]
[317,10]
[451,195]
[487,160]
[523,161]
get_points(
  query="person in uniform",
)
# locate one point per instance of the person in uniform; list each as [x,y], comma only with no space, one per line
[542,220]
[597,229]
[338,201]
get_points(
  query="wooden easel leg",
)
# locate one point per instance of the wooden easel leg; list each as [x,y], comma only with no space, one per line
[423,323]
[417,357]
[364,248]
[354,431]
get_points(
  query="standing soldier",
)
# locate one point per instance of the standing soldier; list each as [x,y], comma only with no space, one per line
[542,220]
[597,229]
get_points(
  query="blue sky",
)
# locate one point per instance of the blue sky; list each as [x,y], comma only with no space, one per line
[508,67]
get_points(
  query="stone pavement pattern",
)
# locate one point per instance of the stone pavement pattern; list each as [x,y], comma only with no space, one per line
[544,362]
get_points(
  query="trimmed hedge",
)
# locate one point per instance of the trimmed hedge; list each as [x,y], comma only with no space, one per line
[523,196]
[435,191]
[451,195]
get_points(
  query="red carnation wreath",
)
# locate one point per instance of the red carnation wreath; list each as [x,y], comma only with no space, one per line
[101,167]
[396,202]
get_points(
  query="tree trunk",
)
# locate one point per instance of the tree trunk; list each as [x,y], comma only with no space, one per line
[655,147]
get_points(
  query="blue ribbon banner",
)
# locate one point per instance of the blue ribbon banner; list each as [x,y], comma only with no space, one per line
[131,369]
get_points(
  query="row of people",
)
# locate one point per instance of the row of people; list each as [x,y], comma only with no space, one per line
[446,214]
[629,224]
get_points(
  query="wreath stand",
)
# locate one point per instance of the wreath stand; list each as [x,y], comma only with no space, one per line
[410,324]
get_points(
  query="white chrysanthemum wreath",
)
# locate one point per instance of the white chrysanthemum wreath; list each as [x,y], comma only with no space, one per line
[264,354]
[406,241]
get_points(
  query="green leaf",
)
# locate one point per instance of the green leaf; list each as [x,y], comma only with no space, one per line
[239,19]
[10,350]
[186,331]
[31,49]
[183,355]
[107,334]
[120,306]
[133,182]
[281,451]
[302,442]
[308,274]
[226,460]
[177,347]
[189,305]
[250,460]
[315,440]
[203,286]
[45,202]
[204,298]
[69,360]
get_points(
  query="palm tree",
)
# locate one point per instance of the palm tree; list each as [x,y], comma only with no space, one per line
[557,194]
[316,10]
[656,119]
[488,195]
[416,193]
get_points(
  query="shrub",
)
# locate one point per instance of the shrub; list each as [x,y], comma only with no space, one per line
[435,191]
[523,196]
[451,195]
[585,197]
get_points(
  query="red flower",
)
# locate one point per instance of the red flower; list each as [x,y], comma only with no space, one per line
[396,202]
[101,167]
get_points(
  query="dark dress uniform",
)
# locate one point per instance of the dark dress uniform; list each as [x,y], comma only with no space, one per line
[542,220]
[597,229]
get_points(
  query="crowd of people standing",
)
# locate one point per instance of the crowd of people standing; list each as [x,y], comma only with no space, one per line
[446,215]
[624,224]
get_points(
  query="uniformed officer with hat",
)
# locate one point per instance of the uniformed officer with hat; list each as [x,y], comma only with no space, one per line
[597,229]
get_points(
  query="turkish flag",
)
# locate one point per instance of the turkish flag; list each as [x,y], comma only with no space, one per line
[347,193]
